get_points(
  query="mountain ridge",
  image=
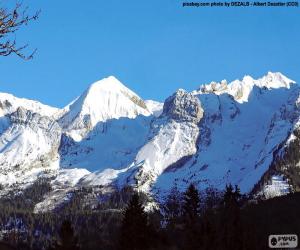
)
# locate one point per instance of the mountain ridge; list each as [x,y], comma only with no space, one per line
[111,137]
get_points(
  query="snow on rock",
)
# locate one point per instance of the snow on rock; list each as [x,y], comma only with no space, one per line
[241,90]
[101,178]
[62,186]
[183,106]
[53,200]
[174,137]
[274,80]
[103,100]
[173,142]
[10,103]
[69,177]
[30,136]
[29,141]
[237,140]
[22,178]
[278,186]
[222,133]
[67,181]
[111,144]
[154,107]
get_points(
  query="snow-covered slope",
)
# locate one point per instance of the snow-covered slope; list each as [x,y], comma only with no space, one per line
[173,136]
[110,144]
[104,100]
[221,133]
[10,103]
[27,141]
[154,107]
[237,140]
[240,90]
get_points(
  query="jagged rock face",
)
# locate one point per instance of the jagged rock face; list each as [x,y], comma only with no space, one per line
[172,137]
[183,106]
[286,161]
[35,121]
[29,141]
[5,104]
[66,143]
[171,142]
[42,125]
[237,140]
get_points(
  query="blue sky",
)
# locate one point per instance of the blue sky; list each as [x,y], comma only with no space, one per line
[154,47]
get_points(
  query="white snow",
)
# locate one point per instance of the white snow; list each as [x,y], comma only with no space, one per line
[101,178]
[237,139]
[62,185]
[172,142]
[278,186]
[11,104]
[20,145]
[154,107]
[103,100]
[112,144]
[116,137]
[24,178]
[241,90]
[69,177]
[27,144]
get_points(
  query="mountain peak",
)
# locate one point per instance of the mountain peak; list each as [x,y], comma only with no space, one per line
[10,103]
[247,79]
[103,100]
[109,83]
[183,106]
[240,89]
[109,90]
[275,80]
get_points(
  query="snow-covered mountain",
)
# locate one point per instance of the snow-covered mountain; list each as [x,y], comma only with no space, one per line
[103,100]
[10,103]
[221,133]
[240,90]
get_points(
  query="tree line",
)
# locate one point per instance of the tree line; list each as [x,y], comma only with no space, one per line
[183,220]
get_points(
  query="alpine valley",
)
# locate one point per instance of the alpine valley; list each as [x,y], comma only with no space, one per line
[246,133]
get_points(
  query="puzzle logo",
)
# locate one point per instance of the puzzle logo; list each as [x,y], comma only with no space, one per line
[283,241]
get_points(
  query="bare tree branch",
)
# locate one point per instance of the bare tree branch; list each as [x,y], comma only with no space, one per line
[10,22]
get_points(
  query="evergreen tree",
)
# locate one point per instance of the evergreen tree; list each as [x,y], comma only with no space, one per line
[172,207]
[191,204]
[230,224]
[172,213]
[134,228]
[68,241]
[212,199]
[209,217]
[6,246]
[191,214]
